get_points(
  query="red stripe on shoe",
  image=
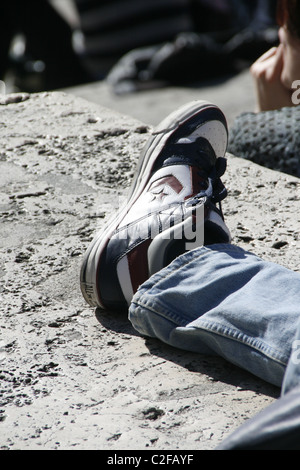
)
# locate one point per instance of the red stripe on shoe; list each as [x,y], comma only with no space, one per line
[138,264]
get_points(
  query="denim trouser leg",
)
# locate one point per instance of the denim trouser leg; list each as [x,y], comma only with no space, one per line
[292,374]
[225,301]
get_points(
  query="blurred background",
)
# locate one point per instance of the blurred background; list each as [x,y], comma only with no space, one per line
[132,45]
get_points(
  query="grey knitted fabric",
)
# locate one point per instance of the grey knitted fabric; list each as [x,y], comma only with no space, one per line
[271,139]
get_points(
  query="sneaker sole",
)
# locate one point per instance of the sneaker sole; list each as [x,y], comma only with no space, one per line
[90,263]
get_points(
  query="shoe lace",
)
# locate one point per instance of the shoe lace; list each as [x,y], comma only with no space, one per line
[215,192]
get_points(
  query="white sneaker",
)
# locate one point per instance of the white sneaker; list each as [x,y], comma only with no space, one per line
[171,208]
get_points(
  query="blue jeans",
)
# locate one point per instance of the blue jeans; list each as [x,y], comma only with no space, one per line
[226,301]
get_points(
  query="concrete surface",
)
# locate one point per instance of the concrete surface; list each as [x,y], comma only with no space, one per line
[75,378]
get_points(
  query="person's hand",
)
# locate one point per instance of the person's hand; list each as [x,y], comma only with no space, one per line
[266,72]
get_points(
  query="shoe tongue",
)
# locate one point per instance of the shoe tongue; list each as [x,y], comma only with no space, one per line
[188,152]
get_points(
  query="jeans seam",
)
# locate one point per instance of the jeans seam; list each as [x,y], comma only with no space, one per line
[229,333]
[168,316]
[236,335]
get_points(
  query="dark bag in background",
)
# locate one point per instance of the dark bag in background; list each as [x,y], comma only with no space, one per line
[227,36]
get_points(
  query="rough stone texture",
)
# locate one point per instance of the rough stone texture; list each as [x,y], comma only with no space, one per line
[73,378]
